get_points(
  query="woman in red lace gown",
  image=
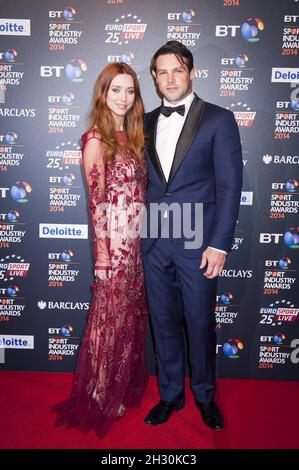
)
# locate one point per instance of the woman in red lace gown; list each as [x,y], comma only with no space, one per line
[111,372]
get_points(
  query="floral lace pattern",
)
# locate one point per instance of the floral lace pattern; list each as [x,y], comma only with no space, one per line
[111,372]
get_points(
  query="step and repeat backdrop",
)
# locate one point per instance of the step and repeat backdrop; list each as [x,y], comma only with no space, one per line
[246,60]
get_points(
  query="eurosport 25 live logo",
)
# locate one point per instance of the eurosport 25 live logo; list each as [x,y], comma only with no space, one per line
[64,156]
[279,312]
[13,266]
[125,28]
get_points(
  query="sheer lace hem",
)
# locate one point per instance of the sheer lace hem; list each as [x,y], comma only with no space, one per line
[111,374]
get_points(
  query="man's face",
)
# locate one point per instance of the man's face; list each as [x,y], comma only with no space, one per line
[173,78]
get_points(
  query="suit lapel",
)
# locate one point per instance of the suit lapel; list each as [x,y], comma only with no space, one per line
[152,132]
[187,135]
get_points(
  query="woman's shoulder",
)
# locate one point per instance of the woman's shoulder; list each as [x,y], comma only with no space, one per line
[93,133]
[88,135]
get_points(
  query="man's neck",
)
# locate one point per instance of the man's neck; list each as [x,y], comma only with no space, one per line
[186,100]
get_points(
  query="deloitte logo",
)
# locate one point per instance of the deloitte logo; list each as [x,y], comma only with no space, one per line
[285,75]
[12,27]
[73,231]
[16,342]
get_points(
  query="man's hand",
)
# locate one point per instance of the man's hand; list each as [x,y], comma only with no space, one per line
[215,261]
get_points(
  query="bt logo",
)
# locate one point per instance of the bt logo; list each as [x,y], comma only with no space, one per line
[186,16]
[68,14]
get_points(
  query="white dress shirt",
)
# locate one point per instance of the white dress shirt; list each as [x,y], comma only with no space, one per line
[168,132]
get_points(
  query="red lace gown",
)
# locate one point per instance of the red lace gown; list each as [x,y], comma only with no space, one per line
[111,372]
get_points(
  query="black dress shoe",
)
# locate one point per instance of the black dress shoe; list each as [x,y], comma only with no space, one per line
[162,411]
[210,414]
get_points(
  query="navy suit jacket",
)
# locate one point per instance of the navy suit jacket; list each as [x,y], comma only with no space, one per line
[207,168]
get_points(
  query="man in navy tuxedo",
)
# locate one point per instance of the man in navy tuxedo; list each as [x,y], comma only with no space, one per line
[194,157]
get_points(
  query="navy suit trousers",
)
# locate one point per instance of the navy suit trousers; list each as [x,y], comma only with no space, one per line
[177,289]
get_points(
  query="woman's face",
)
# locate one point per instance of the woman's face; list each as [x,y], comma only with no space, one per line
[121,94]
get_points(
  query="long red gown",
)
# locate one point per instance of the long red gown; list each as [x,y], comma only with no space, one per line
[111,372]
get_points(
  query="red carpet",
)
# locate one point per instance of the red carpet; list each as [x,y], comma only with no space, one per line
[258,415]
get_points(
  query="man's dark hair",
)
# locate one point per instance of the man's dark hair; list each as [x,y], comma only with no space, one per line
[182,53]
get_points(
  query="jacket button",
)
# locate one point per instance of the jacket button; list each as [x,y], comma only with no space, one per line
[168,194]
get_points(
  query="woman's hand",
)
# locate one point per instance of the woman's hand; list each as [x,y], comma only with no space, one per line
[103,273]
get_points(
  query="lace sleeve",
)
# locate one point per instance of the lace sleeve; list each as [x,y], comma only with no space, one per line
[94,170]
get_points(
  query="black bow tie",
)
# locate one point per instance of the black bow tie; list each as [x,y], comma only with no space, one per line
[168,110]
